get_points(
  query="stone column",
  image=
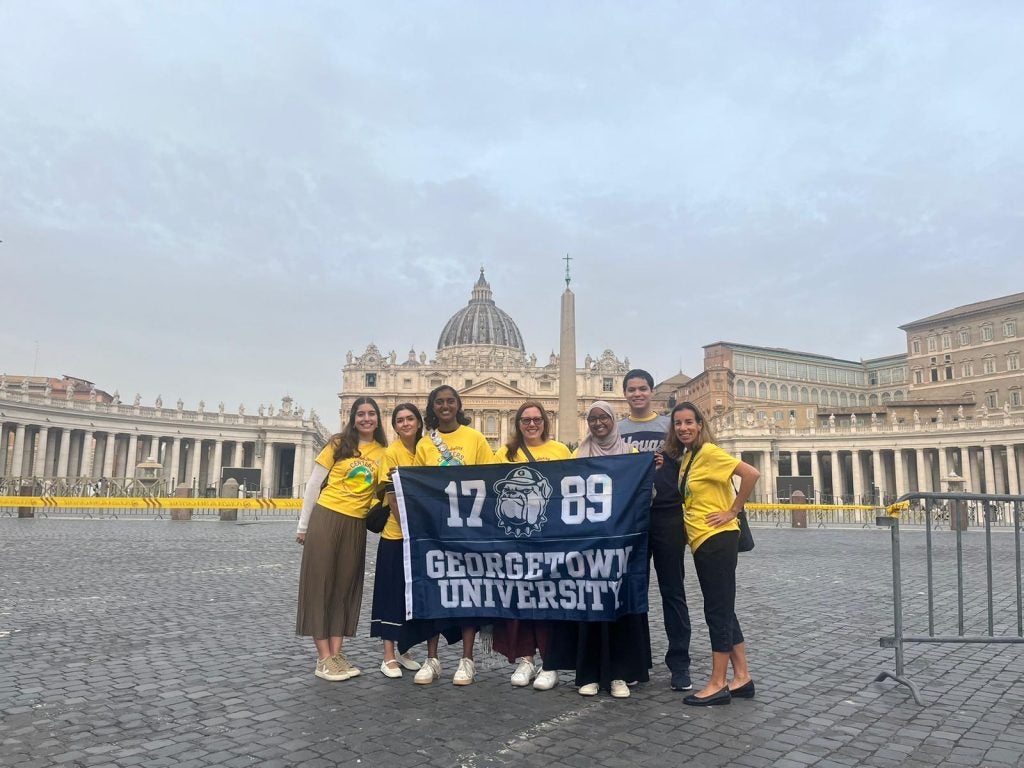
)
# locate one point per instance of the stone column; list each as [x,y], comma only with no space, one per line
[175,463]
[767,482]
[900,462]
[218,457]
[19,450]
[64,454]
[39,463]
[877,476]
[922,471]
[4,438]
[132,459]
[977,464]
[268,469]
[998,485]
[837,478]
[53,441]
[858,480]
[965,470]
[108,455]
[990,472]
[816,476]
[1012,470]
[299,476]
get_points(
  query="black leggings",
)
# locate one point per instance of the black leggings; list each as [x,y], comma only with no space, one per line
[715,563]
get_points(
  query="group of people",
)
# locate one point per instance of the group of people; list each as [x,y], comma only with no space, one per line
[695,503]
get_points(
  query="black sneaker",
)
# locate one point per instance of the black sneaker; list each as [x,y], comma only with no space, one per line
[681,681]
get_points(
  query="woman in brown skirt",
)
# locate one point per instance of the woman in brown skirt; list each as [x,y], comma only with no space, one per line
[332,530]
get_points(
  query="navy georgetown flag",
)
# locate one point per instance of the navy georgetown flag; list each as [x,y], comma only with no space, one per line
[547,540]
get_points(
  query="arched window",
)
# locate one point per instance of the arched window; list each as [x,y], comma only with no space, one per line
[773,392]
[834,398]
[805,396]
[873,400]
[491,425]
[886,397]
[814,395]
[751,389]
[762,391]
[898,397]
[844,399]
[741,388]
[784,393]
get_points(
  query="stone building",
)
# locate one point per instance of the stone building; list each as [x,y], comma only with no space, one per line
[480,352]
[947,408]
[68,433]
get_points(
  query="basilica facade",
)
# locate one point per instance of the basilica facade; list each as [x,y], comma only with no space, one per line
[480,352]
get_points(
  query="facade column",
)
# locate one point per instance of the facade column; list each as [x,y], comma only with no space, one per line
[858,480]
[64,454]
[1012,470]
[218,457]
[90,443]
[998,464]
[990,472]
[816,476]
[877,475]
[42,438]
[767,475]
[132,459]
[976,462]
[943,466]
[965,470]
[837,478]
[175,475]
[268,481]
[19,450]
[108,454]
[53,440]
[900,466]
[4,438]
[922,471]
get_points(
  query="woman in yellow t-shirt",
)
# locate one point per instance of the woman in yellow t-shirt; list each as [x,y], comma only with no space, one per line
[710,509]
[332,530]
[387,614]
[449,442]
[522,639]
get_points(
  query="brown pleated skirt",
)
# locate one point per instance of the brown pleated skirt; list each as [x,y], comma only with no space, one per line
[331,577]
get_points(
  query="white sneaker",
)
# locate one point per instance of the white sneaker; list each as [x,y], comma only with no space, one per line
[590,689]
[428,673]
[330,669]
[546,680]
[465,673]
[524,672]
[619,689]
[391,669]
[408,662]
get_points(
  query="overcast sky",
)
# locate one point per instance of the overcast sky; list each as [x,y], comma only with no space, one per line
[214,200]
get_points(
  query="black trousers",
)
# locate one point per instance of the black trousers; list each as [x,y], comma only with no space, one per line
[715,562]
[666,545]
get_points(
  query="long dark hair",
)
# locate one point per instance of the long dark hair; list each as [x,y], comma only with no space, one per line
[431,419]
[415,412]
[673,447]
[516,441]
[346,442]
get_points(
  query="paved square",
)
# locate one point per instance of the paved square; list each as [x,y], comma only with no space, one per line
[154,643]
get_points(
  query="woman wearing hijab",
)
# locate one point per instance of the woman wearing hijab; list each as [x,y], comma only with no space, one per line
[607,655]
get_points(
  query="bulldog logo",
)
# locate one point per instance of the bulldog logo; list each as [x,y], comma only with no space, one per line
[522,496]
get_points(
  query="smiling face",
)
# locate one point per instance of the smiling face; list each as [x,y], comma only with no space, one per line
[638,395]
[406,424]
[531,424]
[686,427]
[446,408]
[600,423]
[366,421]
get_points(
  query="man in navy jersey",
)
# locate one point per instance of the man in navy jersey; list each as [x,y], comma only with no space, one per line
[646,430]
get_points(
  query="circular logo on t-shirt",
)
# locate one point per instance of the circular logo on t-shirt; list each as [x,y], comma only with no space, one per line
[358,479]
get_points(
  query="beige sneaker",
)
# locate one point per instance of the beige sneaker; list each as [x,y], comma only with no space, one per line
[619,689]
[465,673]
[428,673]
[329,669]
[524,673]
[590,689]
[343,663]
[546,680]
[408,662]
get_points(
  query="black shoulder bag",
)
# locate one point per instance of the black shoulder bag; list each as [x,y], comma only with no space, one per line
[746,537]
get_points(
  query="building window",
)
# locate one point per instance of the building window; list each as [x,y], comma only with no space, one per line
[1015,397]
[1010,328]
[406,383]
[741,388]
[491,425]
[934,374]
[989,365]
[760,415]
[468,382]
[546,386]
[947,341]
[932,344]
[1013,361]
[607,384]
[966,369]
[965,338]
[915,345]
[949,372]
[514,383]
[986,332]
[778,415]
[784,393]
[917,376]
[992,399]
[435,383]
[773,392]
[370,380]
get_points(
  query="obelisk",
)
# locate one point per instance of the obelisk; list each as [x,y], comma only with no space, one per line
[568,418]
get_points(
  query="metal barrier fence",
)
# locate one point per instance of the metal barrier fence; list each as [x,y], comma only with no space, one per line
[958,512]
[149,508]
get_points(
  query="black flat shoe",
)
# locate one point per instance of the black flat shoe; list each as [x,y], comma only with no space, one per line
[721,697]
[745,691]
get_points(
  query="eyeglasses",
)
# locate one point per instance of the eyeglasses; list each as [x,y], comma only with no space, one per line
[531,420]
[598,417]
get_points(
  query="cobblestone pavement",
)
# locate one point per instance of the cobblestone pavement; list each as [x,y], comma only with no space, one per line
[171,644]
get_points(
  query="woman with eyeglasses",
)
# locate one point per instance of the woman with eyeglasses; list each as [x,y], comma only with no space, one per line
[607,655]
[449,441]
[710,508]
[519,639]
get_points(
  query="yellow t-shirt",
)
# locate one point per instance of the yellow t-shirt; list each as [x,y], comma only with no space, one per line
[552,450]
[466,445]
[396,455]
[708,489]
[351,483]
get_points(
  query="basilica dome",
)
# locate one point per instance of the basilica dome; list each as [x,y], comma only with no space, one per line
[481,322]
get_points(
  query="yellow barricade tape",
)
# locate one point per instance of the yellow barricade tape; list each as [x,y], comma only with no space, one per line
[893,510]
[140,502]
[808,506]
